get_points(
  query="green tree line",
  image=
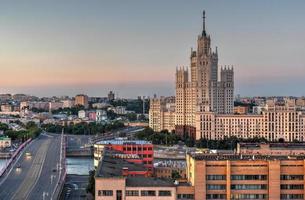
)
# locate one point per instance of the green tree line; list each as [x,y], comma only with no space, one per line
[92,128]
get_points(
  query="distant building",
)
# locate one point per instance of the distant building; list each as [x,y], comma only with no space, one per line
[111,96]
[162,114]
[82,100]
[241,110]
[5,142]
[55,105]
[120,110]
[100,105]
[82,114]
[68,103]
[92,115]
[6,108]
[101,115]
[5,97]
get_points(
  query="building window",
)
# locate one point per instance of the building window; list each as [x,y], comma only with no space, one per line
[185,196]
[292,177]
[165,193]
[249,187]
[148,193]
[249,196]
[249,177]
[292,196]
[216,187]
[105,193]
[216,196]
[216,177]
[292,187]
[132,193]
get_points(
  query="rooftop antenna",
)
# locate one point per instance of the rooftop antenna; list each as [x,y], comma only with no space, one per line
[203,23]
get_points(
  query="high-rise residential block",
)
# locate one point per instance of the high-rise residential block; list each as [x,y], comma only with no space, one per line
[82,100]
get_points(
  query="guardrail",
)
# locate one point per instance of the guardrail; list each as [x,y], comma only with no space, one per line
[15,154]
[61,181]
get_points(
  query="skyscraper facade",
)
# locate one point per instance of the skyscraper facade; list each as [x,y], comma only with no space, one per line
[203,90]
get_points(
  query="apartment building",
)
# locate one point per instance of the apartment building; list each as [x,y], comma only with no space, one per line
[82,100]
[162,114]
[246,176]
[279,120]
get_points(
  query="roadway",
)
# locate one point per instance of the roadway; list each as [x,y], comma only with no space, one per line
[39,174]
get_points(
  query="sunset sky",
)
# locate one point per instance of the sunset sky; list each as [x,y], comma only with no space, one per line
[133,47]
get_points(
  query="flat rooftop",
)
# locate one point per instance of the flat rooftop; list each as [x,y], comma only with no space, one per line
[236,157]
[274,145]
[113,163]
[124,142]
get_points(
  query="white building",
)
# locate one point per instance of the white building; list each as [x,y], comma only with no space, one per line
[101,115]
[82,114]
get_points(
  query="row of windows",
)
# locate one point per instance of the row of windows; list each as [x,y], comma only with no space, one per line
[105,193]
[292,196]
[249,196]
[137,149]
[161,193]
[249,177]
[249,187]
[292,177]
[216,187]
[185,196]
[292,187]
[216,196]
[216,177]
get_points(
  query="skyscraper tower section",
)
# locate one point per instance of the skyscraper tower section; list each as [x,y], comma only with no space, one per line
[206,91]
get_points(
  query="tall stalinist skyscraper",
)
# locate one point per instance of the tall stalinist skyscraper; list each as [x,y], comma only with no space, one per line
[205,91]
[204,104]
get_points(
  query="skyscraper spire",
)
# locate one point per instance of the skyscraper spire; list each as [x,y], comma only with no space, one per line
[203,29]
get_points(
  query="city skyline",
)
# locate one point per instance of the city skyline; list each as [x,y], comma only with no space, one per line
[134,48]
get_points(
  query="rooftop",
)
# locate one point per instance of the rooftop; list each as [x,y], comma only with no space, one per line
[124,142]
[235,157]
[4,138]
[113,163]
[274,145]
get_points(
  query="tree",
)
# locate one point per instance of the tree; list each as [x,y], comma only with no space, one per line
[3,127]
[131,116]
[175,175]
[91,185]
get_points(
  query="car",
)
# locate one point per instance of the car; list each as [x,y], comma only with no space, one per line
[18,167]
[54,170]
[28,155]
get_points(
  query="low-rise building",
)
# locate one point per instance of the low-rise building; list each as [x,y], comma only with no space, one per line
[241,110]
[101,115]
[5,142]
[6,108]
[68,103]
[82,114]
[141,148]
[118,178]
[170,168]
